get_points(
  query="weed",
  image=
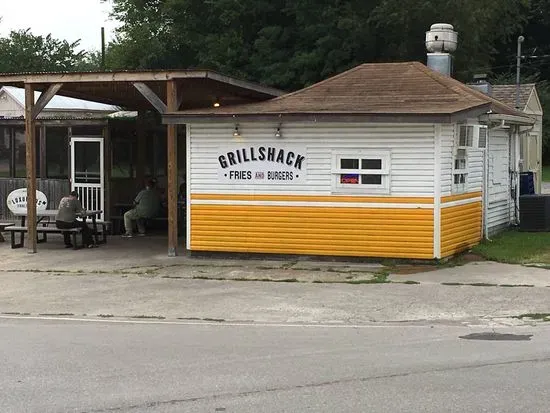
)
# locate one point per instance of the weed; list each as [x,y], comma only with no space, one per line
[534,316]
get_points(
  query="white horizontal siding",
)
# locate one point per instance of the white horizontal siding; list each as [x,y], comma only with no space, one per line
[447,145]
[411,154]
[500,202]
[475,169]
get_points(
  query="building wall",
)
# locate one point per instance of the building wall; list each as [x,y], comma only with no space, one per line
[461,210]
[9,108]
[310,217]
[54,189]
[500,202]
[461,222]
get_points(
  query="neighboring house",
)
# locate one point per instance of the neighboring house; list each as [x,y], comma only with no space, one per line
[531,142]
[12,106]
[384,160]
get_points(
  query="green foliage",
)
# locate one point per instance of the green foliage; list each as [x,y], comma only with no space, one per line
[291,44]
[21,51]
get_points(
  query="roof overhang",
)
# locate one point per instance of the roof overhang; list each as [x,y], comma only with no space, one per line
[175,118]
[511,119]
[198,88]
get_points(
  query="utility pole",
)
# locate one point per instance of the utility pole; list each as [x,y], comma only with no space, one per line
[103,48]
[518,68]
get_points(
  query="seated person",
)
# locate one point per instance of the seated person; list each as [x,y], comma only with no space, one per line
[69,207]
[146,205]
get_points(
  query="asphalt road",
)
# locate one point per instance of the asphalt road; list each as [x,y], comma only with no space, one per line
[87,366]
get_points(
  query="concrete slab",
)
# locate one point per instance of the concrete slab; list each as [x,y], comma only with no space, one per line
[484,272]
[136,278]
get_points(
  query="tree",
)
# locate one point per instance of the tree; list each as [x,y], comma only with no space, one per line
[22,51]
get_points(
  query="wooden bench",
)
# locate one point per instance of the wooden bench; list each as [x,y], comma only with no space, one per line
[44,230]
[3,226]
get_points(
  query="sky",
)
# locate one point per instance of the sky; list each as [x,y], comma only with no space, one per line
[65,19]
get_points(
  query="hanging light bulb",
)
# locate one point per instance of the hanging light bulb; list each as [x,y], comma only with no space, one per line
[216,103]
[278,133]
[236,132]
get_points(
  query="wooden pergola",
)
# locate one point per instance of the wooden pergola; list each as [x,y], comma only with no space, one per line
[165,91]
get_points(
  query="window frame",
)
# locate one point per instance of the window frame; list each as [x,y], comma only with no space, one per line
[384,155]
[461,187]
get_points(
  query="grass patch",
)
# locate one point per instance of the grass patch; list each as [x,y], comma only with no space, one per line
[378,278]
[535,316]
[515,247]
[546,173]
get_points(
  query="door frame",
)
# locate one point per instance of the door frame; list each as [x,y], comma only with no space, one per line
[94,138]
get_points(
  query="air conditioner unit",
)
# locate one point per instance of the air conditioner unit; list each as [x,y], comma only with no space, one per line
[472,136]
[534,213]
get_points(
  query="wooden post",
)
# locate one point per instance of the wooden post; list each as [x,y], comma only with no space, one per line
[107,171]
[30,133]
[141,149]
[42,160]
[172,104]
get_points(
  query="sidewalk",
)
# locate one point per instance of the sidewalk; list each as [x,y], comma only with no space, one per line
[135,278]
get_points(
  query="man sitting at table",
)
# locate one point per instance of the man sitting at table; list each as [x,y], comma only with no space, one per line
[146,205]
[69,208]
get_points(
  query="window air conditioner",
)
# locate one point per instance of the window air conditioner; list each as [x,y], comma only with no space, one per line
[472,136]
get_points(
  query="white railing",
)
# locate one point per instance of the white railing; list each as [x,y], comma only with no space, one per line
[91,197]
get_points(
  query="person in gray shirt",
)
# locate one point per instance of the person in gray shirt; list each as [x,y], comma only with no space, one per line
[69,208]
[146,205]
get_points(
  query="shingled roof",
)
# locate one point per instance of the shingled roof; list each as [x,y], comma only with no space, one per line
[405,89]
[507,94]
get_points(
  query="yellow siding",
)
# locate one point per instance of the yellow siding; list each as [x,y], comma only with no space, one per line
[469,195]
[460,227]
[313,230]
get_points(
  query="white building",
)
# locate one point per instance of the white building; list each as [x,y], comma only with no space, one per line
[384,160]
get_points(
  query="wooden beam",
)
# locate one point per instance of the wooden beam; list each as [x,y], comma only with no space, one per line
[30,133]
[151,96]
[107,171]
[141,148]
[41,172]
[172,139]
[45,98]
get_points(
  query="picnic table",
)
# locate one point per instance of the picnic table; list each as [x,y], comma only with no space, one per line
[4,225]
[47,216]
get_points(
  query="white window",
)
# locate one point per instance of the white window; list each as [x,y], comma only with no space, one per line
[460,170]
[361,171]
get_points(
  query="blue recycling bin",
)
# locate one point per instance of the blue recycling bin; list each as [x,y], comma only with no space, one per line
[526,183]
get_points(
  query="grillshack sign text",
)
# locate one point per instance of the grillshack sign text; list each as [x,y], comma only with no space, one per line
[262,164]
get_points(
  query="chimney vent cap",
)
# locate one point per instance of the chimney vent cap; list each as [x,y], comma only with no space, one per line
[441,38]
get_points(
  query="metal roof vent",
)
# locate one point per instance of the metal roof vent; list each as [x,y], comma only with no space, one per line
[441,40]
